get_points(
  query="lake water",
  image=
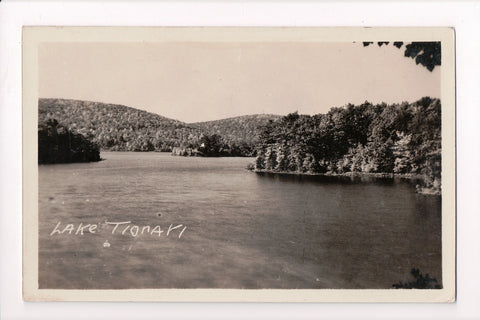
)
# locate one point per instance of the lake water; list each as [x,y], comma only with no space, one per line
[243,230]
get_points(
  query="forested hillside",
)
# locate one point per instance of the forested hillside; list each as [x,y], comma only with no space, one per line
[121,128]
[238,135]
[399,138]
[242,128]
[117,127]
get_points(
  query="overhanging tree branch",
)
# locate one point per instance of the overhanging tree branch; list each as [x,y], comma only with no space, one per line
[428,54]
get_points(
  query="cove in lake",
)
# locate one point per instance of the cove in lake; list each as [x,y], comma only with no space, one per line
[245,229]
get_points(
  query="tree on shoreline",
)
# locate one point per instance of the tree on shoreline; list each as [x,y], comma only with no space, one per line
[387,139]
[57,144]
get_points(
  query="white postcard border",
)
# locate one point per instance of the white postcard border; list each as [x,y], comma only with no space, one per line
[33,36]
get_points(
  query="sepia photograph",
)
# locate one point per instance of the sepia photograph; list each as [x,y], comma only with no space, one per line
[298,161]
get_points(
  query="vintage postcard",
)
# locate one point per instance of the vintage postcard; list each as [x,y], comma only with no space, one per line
[238,164]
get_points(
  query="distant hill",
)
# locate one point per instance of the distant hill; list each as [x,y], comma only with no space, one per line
[121,128]
[238,135]
[242,128]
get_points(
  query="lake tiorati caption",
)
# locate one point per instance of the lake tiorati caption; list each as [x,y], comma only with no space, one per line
[124,228]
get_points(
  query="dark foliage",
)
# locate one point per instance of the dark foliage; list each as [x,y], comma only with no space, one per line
[428,54]
[398,44]
[420,282]
[57,144]
[401,138]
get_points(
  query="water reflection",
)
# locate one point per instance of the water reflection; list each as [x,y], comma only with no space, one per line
[333,179]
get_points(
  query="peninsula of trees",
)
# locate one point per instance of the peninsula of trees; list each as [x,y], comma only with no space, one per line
[376,139]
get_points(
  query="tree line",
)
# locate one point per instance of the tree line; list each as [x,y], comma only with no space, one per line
[389,139]
[57,144]
[385,139]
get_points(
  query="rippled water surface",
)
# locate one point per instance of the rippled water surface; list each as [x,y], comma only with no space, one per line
[230,228]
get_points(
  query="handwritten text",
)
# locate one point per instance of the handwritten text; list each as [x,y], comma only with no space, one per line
[124,228]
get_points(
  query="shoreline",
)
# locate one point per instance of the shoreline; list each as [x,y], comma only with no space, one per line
[347,174]
[408,176]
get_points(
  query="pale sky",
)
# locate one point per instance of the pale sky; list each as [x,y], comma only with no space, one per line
[207,81]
